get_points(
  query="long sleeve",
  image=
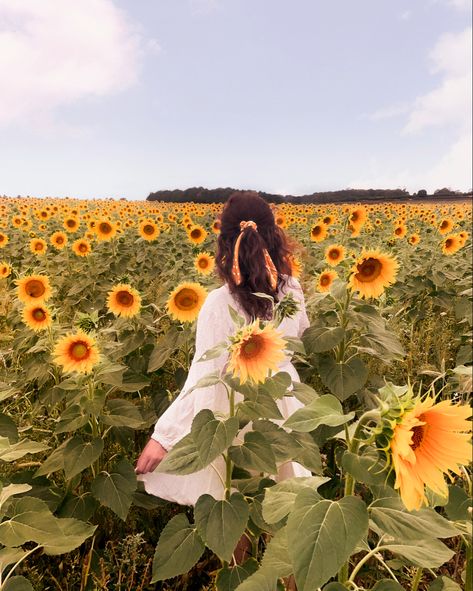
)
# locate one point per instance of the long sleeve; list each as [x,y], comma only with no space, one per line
[214,324]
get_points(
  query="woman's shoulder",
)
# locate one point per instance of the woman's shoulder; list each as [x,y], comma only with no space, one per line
[291,282]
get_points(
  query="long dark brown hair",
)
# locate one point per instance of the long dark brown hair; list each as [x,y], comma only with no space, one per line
[244,206]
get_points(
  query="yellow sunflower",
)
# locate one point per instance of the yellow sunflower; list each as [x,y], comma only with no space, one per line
[204,263]
[318,232]
[429,440]
[38,246]
[451,244]
[414,239]
[325,280]
[71,224]
[33,289]
[37,316]
[372,273]
[296,266]
[58,240]
[76,352]
[216,227]
[105,230]
[3,240]
[400,231]
[148,230]
[334,254]
[185,301]
[357,216]
[5,269]
[197,234]
[81,247]
[445,226]
[124,300]
[254,351]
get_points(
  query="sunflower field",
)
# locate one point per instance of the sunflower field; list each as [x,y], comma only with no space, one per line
[98,308]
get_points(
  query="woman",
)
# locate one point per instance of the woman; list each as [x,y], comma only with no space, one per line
[252,256]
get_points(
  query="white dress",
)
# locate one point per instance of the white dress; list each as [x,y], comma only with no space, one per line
[214,324]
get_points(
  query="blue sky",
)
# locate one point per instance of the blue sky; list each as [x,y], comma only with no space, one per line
[118,98]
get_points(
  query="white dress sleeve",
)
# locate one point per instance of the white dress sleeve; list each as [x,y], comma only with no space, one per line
[303,320]
[214,324]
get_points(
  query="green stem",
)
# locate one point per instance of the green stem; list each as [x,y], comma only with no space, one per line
[416,579]
[2,583]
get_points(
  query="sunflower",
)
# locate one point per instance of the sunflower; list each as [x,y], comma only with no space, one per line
[71,224]
[254,351]
[400,231]
[124,300]
[33,289]
[334,254]
[197,234]
[148,230]
[463,235]
[38,246]
[105,229]
[58,240]
[76,352]
[296,266]
[318,232]
[428,441]
[204,263]
[281,220]
[37,316]
[3,240]
[357,216]
[451,244]
[445,226]
[185,301]
[414,239]
[81,247]
[216,227]
[325,280]
[5,269]
[372,273]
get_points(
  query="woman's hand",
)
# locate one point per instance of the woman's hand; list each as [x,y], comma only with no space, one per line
[150,457]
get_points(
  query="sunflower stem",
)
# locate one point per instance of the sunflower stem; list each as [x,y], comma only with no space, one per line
[417,578]
[228,461]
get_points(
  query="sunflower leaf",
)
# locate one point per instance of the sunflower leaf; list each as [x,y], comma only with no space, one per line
[325,410]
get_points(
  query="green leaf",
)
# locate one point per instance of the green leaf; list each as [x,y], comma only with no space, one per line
[458,503]
[32,521]
[220,524]
[80,454]
[8,428]
[325,410]
[443,584]
[179,548]
[10,453]
[309,457]
[342,379]
[426,553]
[10,556]
[17,583]
[303,392]
[229,577]
[335,587]
[318,339]
[279,499]
[74,417]
[54,462]
[122,413]
[285,445]
[208,380]
[261,580]
[254,454]
[214,352]
[390,515]
[322,535]
[366,468]
[260,405]
[115,489]
[12,489]
[276,556]
[208,438]
[277,385]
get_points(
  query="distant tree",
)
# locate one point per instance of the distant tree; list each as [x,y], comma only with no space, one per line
[421,193]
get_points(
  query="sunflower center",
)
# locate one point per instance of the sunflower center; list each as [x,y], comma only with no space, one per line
[398,230]
[417,436]
[316,230]
[148,229]
[196,233]
[70,223]
[203,263]
[35,288]
[448,242]
[125,298]
[369,270]
[324,280]
[443,225]
[59,240]
[186,299]
[105,228]
[334,254]
[2,237]
[354,216]
[79,350]
[39,314]
[251,347]
[82,247]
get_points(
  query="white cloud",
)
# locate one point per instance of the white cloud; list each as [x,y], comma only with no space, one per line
[387,112]
[450,102]
[456,4]
[56,52]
